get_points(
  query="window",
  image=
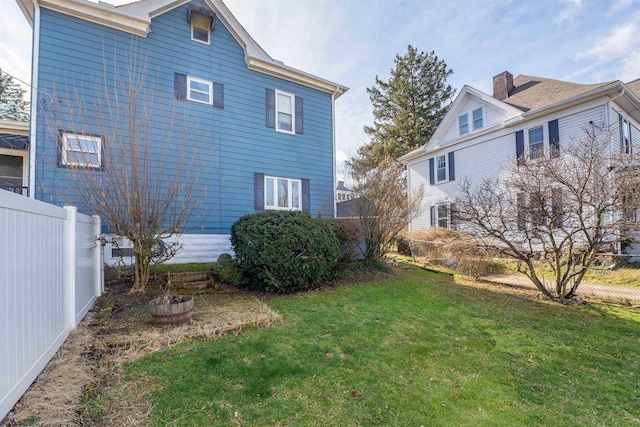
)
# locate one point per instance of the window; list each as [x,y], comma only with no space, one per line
[282,193]
[81,150]
[626,136]
[463,124]
[284,112]
[200,28]
[442,168]
[199,90]
[477,119]
[443,215]
[536,143]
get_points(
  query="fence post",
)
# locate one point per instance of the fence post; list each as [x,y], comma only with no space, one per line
[70,265]
[98,262]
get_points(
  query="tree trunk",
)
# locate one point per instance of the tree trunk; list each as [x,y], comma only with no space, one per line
[142,269]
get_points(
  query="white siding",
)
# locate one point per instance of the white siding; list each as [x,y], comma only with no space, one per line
[489,155]
[572,127]
[492,115]
[195,248]
[419,178]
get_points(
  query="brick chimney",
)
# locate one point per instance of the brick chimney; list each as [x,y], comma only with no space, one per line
[340,183]
[502,85]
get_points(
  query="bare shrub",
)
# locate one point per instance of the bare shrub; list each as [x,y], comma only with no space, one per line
[453,249]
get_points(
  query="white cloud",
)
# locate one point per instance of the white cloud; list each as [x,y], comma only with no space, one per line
[616,55]
[630,69]
[569,12]
[15,42]
[619,6]
[622,40]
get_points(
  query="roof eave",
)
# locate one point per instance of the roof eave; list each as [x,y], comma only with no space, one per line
[26,6]
[92,12]
[14,127]
[291,74]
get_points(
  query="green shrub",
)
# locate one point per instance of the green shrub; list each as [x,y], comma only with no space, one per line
[228,270]
[350,236]
[282,251]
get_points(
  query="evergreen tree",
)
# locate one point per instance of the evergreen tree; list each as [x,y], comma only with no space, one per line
[408,108]
[12,103]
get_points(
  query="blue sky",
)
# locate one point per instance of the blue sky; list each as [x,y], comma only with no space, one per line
[352,41]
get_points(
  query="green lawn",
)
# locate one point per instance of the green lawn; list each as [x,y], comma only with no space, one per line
[412,350]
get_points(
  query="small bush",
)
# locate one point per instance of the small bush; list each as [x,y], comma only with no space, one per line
[282,251]
[228,270]
[452,249]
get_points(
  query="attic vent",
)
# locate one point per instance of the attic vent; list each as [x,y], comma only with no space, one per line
[193,12]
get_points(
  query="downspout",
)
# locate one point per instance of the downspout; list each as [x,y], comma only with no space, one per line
[333,137]
[35,53]
[609,124]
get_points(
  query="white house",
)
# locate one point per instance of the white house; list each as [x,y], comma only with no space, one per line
[482,134]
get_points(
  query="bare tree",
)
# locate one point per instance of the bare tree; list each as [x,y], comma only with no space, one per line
[381,204]
[560,210]
[140,174]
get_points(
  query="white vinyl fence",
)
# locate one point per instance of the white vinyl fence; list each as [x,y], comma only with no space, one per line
[50,276]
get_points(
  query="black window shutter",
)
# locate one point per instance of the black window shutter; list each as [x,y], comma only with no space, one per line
[453,216]
[630,135]
[520,147]
[306,196]
[180,85]
[258,191]
[452,168]
[218,95]
[432,172]
[432,216]
[554,138]
[271,108]
[299,116]
[621,133]
[60,147]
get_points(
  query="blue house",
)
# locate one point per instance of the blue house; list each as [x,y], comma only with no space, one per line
[248,131]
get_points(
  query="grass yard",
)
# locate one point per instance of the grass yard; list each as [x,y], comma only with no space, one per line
[409,351]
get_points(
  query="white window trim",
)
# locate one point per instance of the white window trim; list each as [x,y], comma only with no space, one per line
[448,217]
[293,112]
[197,80]
[482,111]
[275,207]
[446,169]
[208,42]
[25,161]
[545,141]
[97,142]
[470,126]
[626,136]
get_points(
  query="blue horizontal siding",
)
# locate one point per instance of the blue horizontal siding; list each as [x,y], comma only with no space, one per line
[230,144]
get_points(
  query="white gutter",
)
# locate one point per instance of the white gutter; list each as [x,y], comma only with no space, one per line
[333,137]
[35,53]
[594,93]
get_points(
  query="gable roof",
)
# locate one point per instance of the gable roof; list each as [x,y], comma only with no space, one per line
[531,93]
[135,18]
[452,114]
